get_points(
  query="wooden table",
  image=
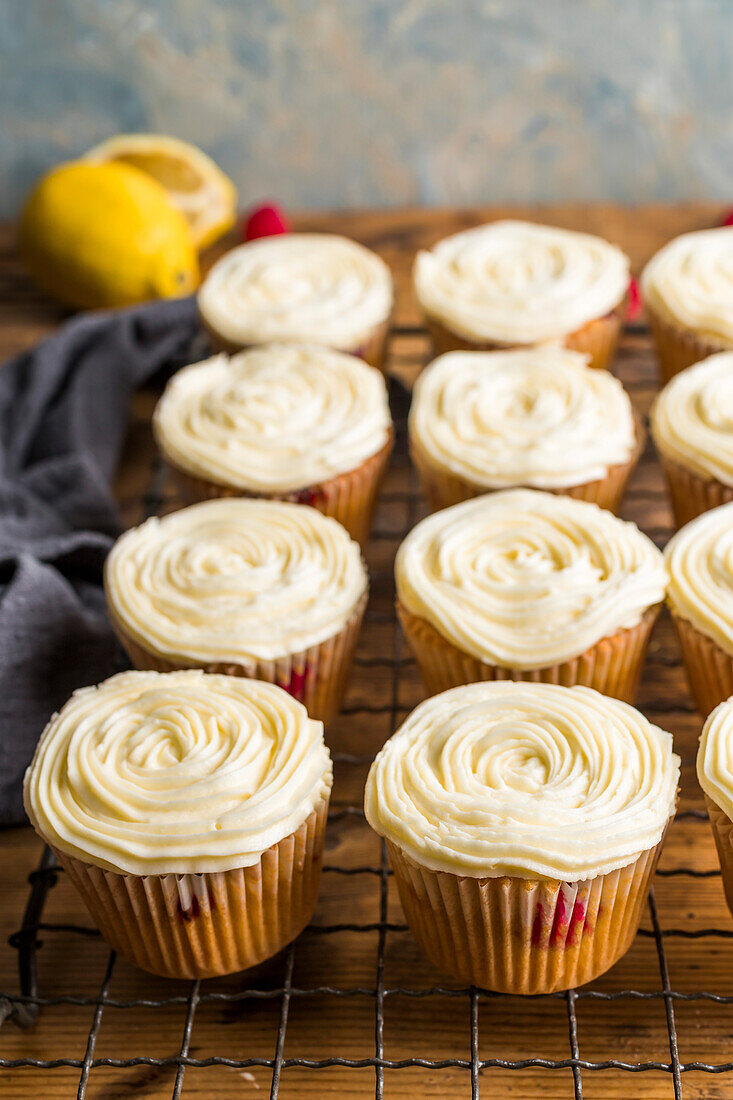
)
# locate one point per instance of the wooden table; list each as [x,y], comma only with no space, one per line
[434,1026]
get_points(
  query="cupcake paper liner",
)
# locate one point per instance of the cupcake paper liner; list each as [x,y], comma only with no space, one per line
[612,666]
[722,827]
[444,489]
[317,677]
[516,935]
[692,494]
[372,350]
[205,925]
[597,339]
[709,668]
[349,498]
[677,348]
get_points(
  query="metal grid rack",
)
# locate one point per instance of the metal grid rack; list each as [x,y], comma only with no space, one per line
[25,1009]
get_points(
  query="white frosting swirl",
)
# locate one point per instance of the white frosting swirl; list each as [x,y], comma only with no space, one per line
[528,780]
[275,418]
[535,416]
[311,287]
[153,773]
[715,757]
[514,282]
[692,418]
[234,580]
[700,564]
[525,579]
[689,283]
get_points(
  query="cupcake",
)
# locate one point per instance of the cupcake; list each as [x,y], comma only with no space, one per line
[536,417]
[299,287]
[256,588]
[511,284]
[285,421]
[688,293]
[700,596]
[715,776]
[523,824]
[523,585]
[189,812]
[692,428]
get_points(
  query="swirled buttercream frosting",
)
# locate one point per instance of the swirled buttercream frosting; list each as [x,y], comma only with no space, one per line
[525,579]
[689,283]
[514,282]
[692,418]
[536,416]
[154,773]
[232,580]
[274,418]
[715,757]
[700,565]
[312,287]
[532,780]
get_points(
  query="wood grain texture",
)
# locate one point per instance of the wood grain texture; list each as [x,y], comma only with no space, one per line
[436,1026]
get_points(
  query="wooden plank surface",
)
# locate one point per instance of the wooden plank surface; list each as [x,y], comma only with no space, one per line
[431,1027]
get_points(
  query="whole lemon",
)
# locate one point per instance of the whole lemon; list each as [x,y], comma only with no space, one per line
[100,235]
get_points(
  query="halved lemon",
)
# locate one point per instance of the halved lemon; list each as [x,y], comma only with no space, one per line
[195,184]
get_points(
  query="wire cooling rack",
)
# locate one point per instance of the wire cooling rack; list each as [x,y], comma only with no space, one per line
[603,1036]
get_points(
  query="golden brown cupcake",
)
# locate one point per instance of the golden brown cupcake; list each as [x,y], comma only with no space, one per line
[688,293]
[715,776]
[256,588]
[523,585]
[189,812]
[692,428]
[512,284]
[315,288]
[537,417]
[523,823]
[290,422]
[700,596]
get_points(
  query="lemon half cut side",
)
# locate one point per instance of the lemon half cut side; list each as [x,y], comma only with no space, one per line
[195,184]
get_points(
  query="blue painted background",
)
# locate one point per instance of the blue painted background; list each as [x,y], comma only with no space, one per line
[373,102]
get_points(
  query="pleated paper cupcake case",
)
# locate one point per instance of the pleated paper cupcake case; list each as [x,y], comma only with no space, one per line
[203,925]
[722,827]
[709,668]
[349,497]
[317,677]
[690,493]
[372,350]
[444,489]
[597,339]
[523,936]
[612,666]
[676,348]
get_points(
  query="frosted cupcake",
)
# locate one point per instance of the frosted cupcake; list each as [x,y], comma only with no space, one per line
[523,824]
[524,585]
[254,588]
[189,812]
[688,293]
[537,417]
[285,421]
[715,776]
[299,287]
[700,596]
[692,428]
[512,283]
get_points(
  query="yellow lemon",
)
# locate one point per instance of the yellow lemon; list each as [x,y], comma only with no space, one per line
[196,185]
[98,235]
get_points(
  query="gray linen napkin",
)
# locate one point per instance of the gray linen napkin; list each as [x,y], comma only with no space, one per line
[63,414]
